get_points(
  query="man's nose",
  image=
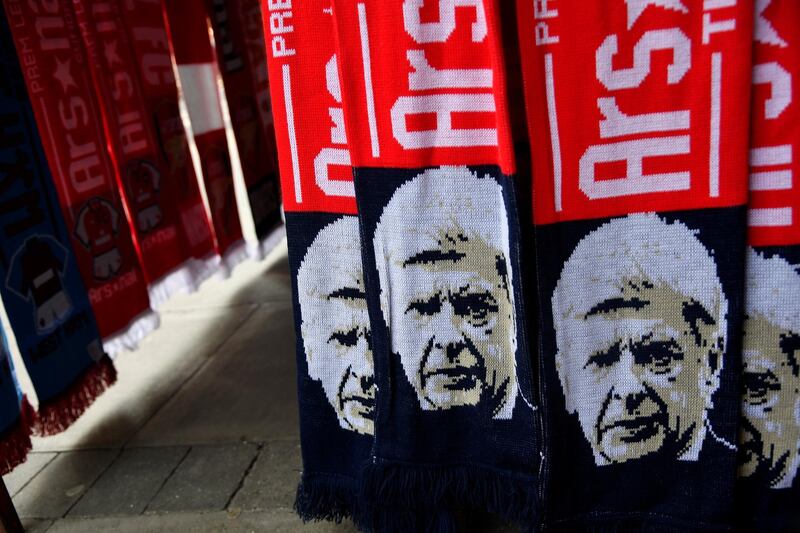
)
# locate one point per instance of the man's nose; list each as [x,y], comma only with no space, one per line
[634,401]
[360,356]
[444,327]
[453,351]
[625,380]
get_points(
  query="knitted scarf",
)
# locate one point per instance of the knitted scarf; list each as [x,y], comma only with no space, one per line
[456,422]
[16,414]
[148,194]
[147,33]
[198,73]
[239,40]
[638,151]
[769,435]
[68,115]
[42,291]
[336,385]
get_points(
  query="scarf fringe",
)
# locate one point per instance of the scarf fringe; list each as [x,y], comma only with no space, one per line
[258,250]
[254,251]
[182,280]
[420,519]
[58,413]
[271,241]
[233,256]
[399,493]
[206,268]
[129,338]
[328,497]
[15,442]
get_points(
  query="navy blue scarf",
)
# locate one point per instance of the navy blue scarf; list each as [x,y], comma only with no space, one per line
[335,370]
[638,219]
[457,426]
[768,489]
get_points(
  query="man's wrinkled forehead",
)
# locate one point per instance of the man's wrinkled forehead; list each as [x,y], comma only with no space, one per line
[629,297]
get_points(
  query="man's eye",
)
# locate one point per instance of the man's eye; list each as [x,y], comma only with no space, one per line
[605,358]
[345,338]
[658,356]
[425,306]
[758,386]
[474,306]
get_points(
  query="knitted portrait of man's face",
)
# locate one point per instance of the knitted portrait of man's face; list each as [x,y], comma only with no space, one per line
[770,424]
[335,324]
[640,321]
[442,252]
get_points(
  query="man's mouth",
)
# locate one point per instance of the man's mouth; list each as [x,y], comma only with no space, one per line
[637,429]
[365,406]
[454,378]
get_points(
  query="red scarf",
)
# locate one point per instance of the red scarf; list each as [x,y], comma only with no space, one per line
[149,195]
[198,71]
[69,117]
[769,436]
[241,56]
[639,144]
[147,33]
[425,109]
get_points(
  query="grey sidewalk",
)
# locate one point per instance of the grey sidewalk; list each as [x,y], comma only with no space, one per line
[200,432]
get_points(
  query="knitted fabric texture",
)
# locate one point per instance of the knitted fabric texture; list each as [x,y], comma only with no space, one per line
[41,288]
[69,117]
[241,56]
[198,72]
[335,361]
[769,434]
[145,28]
[639,183]
[163,246]
[16,414]
[456,425]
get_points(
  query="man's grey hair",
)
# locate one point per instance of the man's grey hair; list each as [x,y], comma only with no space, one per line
[333,261]
[443,198]
[772,290]
[639,246]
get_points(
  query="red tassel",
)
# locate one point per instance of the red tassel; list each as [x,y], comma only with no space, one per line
[15,442]
[59,412]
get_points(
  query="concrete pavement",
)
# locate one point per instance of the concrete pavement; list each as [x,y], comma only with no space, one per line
[199,433]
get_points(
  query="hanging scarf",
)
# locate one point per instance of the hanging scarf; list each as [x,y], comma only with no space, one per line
[424,104]
[149,195]
[16,414]
[42,291]
[241,56]
[336,386]
[198,72]
[68,115]
[769,437]
[639,146]
[144,26]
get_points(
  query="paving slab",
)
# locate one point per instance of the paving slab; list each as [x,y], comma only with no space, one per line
[148,377]
[272,482]
[22,473]
[276,521]
[247,390]
[206,479]
[34,525]
[130,482]
[61,483]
